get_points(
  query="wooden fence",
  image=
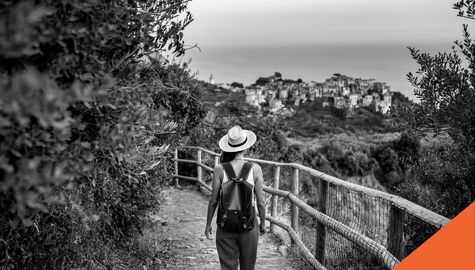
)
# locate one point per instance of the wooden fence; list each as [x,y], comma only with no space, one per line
[388,253]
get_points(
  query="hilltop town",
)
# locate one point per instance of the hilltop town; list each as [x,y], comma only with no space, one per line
[339,91]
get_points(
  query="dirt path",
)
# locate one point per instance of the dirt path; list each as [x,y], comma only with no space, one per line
[183,217]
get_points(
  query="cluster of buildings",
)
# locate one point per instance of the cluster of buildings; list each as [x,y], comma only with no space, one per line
[339,91]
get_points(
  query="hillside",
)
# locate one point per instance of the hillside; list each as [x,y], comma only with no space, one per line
[311,119]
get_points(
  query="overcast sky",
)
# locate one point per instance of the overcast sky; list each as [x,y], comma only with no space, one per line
[224,23]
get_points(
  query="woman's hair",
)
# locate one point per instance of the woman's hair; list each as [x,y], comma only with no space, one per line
[228,156]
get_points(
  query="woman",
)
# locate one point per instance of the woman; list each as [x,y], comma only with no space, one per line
[236,247]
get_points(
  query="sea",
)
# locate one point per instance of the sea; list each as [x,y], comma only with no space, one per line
[384,62]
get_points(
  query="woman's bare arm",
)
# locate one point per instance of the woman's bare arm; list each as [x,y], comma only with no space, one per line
[213,201]
[261,206]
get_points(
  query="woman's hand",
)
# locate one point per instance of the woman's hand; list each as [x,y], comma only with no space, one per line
[262,228]
[208,232]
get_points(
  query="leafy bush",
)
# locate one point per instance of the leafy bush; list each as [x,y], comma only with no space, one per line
[82,140]
[311,118]
[366,164]
[442,180]
[437,183]
[388,159]
[237,84]
[395,158]
[408,149]
[339,113]
[444,82]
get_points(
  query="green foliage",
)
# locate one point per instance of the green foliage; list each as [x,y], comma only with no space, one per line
[82,139]
[87,39]
[399,98]
[345,162]
[366,164]
[395,158]
[322,159]
[271,143]
[234,105]
[262,81]
[319,120]
[446,92]
[445,85]
[465,9]
[237,84]
[388,159]
[181,97]
[293,154]
[443,179]
[437,182]
[408,149]
[339,113]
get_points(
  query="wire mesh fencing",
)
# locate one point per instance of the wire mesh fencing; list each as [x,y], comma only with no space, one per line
[369,215]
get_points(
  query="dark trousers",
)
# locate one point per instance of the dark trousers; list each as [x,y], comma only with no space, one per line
[237,247]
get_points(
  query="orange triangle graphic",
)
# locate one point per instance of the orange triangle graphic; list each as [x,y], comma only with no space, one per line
[452,247]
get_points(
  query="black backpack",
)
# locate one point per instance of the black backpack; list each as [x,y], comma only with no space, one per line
[235,211]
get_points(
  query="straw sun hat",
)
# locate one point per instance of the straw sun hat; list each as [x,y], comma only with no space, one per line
[237,139]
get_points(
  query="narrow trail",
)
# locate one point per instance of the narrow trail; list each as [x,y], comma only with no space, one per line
[182,220]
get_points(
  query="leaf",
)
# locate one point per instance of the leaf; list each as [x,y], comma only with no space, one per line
[111,106]
[37,14]
[27,222]
[4,122]
[153,165]
[86,76]
[87,104]
[88,156]
[86,145]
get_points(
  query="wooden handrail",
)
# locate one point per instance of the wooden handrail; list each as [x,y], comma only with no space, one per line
[364,242]
[418,211]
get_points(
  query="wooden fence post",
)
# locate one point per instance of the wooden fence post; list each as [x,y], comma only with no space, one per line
[396,232]
[294,210]
[321,229]
[199,169]
[176,168]
[275,198]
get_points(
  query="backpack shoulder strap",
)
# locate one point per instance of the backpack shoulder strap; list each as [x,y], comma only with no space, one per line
[229,170]
[246,169]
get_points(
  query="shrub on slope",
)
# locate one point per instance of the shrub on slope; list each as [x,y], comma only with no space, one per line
[82,137]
